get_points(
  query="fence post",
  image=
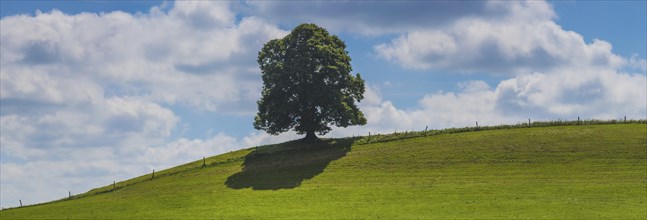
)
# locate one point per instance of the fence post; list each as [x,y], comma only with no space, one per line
[114,186]
[153,174]
[625,119]
[204,161]
[69,194]
[477,124]
[20,202]
[426,130]
[369,137]
[529,122]
[578,120]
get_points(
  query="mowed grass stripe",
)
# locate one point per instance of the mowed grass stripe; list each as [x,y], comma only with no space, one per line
[582,172]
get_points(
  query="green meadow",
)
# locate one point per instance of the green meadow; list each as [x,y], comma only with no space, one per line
[553,172]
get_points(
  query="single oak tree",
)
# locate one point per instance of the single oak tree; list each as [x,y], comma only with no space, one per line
[307,84]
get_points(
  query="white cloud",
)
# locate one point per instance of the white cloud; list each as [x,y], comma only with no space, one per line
[184,150]
[157,56]
[474,86]
[202,14]
[110,122]
[372,96]
[568,93]
[525,40]
[637,63]
[259,138]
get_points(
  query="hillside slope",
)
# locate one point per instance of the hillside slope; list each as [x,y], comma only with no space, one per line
[590,172]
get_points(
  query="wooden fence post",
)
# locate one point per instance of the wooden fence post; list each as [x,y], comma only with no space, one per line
[529,122]
[20,202]
[114,186]
[204,161]
[153,174]
[369,137]
[578,120]
[426,130]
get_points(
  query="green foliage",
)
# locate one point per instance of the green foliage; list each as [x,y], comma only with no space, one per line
[307,85]
[555,172]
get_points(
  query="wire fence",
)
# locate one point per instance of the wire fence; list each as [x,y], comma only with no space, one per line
[376,137]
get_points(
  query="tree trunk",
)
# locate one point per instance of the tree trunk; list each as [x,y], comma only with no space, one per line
[311,136]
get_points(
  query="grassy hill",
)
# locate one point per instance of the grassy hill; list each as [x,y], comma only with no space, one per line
[584,172]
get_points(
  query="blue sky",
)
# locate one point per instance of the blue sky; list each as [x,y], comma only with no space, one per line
[96,91]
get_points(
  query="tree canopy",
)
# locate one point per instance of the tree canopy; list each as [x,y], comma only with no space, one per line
[307,84]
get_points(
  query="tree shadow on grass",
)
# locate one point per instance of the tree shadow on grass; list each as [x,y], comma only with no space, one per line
[285,166]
